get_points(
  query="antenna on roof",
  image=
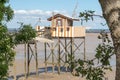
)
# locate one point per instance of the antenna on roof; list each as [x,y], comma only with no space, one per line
[53,13]
[75,8]
[39,20]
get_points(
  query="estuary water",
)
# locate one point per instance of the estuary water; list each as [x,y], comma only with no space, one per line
[91,42]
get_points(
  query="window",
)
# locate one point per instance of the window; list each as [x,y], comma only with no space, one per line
[61,29]
[54,29]
[59,22]
[67,28]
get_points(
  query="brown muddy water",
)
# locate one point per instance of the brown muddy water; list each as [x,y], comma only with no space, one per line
[91,43]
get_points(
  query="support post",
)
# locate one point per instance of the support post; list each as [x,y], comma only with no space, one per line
[45,57]
[28,61]
[25,60]
[14,66]
[36,59]
[71,55]
[71,39]
[52,51]
[58,55]
[84,49]
[66,52]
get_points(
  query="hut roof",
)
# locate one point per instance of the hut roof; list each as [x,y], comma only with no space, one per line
[62,16]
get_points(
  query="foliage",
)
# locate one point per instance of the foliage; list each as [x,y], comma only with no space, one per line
[6,13]
[6,52]
[87,15]
[6,40]
[25,34]
[72,62]
[94,69]
[7,43]
[105,50]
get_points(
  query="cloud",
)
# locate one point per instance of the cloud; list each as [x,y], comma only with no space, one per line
[39,12]
[29,12]
[32,16]
[20,12]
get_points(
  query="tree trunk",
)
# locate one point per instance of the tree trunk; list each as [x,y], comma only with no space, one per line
[111,13]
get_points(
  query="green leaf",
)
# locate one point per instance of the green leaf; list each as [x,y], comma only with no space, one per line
[25,34]
[81,62]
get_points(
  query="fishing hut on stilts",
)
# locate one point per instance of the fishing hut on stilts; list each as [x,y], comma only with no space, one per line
[61,41]
[63,35]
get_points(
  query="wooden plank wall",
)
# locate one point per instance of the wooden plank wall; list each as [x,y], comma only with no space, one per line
[68,32]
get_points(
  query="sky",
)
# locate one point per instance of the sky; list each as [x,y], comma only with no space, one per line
[30,11]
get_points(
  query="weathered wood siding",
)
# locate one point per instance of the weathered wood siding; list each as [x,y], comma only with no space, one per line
[68,32]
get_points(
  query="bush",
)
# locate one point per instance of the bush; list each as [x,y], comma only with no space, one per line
[6,51]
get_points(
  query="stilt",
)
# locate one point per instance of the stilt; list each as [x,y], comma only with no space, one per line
[66,53]
[58,55]
[71,54]
[84,49]
[14,66]
[28,62]
[45,57]
[36,59]
[52,51]
[25,61]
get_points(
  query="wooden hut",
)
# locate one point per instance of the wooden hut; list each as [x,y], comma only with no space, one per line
[63,29]
[62,26]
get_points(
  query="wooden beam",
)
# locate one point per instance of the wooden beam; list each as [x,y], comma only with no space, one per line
[36,59]
[84,49]
[45,57]
[52,51]
[28,62]
[25,60]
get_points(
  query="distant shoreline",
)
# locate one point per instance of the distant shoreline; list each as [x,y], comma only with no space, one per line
[87,30]
[97,30]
